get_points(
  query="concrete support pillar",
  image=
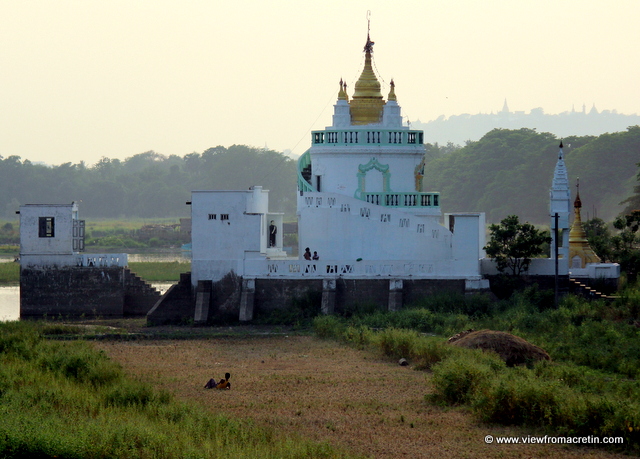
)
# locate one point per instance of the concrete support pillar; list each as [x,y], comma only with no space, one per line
[203,301]
[395,294]
[246,299]
[328,296]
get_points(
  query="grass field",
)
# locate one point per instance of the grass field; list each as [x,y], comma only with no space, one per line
[9,273]
[326,392]
[151,271]
[10,249]
[65,399]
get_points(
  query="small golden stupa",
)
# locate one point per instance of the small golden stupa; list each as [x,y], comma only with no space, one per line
[367,102]
[580,253]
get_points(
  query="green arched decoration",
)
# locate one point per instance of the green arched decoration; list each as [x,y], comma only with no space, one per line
[362,172]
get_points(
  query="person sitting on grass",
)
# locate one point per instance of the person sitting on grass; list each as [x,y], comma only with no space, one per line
[223,384]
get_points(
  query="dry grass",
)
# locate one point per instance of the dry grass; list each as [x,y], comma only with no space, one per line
[324,391]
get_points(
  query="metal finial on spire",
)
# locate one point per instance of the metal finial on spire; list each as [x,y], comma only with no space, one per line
[560,153]
[368,48]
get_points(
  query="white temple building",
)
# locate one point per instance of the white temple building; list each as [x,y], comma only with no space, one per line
[361,207]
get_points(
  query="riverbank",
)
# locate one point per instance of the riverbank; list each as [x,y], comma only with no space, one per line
[286,384]
[294,382]
[83,405]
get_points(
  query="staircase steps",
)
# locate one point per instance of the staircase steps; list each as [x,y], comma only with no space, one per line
[588,292]
[140,296]
[306,173]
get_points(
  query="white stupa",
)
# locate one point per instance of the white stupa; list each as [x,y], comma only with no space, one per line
[360,192]
[361,207]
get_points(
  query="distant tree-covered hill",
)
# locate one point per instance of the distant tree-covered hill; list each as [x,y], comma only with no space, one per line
[505,172]
[458,129]
[510,172]
[147,184]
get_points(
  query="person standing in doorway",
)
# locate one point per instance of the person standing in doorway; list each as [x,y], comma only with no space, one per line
[273,231]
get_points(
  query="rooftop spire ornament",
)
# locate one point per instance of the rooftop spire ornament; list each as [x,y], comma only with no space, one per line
[368,47]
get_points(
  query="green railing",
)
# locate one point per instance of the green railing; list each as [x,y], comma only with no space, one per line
[403,199]
[331,137]
[304,162]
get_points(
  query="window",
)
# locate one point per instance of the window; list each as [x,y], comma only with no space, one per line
[224,216]
[212,216]
[46,227]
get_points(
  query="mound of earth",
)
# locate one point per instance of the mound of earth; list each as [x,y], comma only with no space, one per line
[512,349]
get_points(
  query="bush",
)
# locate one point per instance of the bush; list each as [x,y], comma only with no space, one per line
[458,379]
[516,398]
[430,350]
[358,336]
[328,326]
[397,342]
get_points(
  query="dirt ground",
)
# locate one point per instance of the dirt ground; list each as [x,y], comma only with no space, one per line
[323,390]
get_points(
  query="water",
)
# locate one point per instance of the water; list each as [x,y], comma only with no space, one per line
[183,257]
[10,300]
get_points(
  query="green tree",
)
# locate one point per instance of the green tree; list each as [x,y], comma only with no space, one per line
[626,244]
[513,244]
[633,202]
[599,237]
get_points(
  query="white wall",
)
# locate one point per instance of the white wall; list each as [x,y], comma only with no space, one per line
[62,242]
[338,168]
[220,245]
[468,239]
[597,271]
[343,228]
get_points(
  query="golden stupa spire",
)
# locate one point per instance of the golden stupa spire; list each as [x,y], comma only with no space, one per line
[366,103]
[392,92]
[342,94]
[578,244]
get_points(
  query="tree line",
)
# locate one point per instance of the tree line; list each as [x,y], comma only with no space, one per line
[509,172]
[148,184]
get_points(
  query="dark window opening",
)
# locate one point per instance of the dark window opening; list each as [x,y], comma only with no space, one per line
[46,227]
[212,216]
[224,216]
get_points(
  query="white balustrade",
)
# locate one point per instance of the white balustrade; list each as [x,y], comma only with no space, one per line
[293,268]
[98,260]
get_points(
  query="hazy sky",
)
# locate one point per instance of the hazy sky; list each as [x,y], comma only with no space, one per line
[84,79]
